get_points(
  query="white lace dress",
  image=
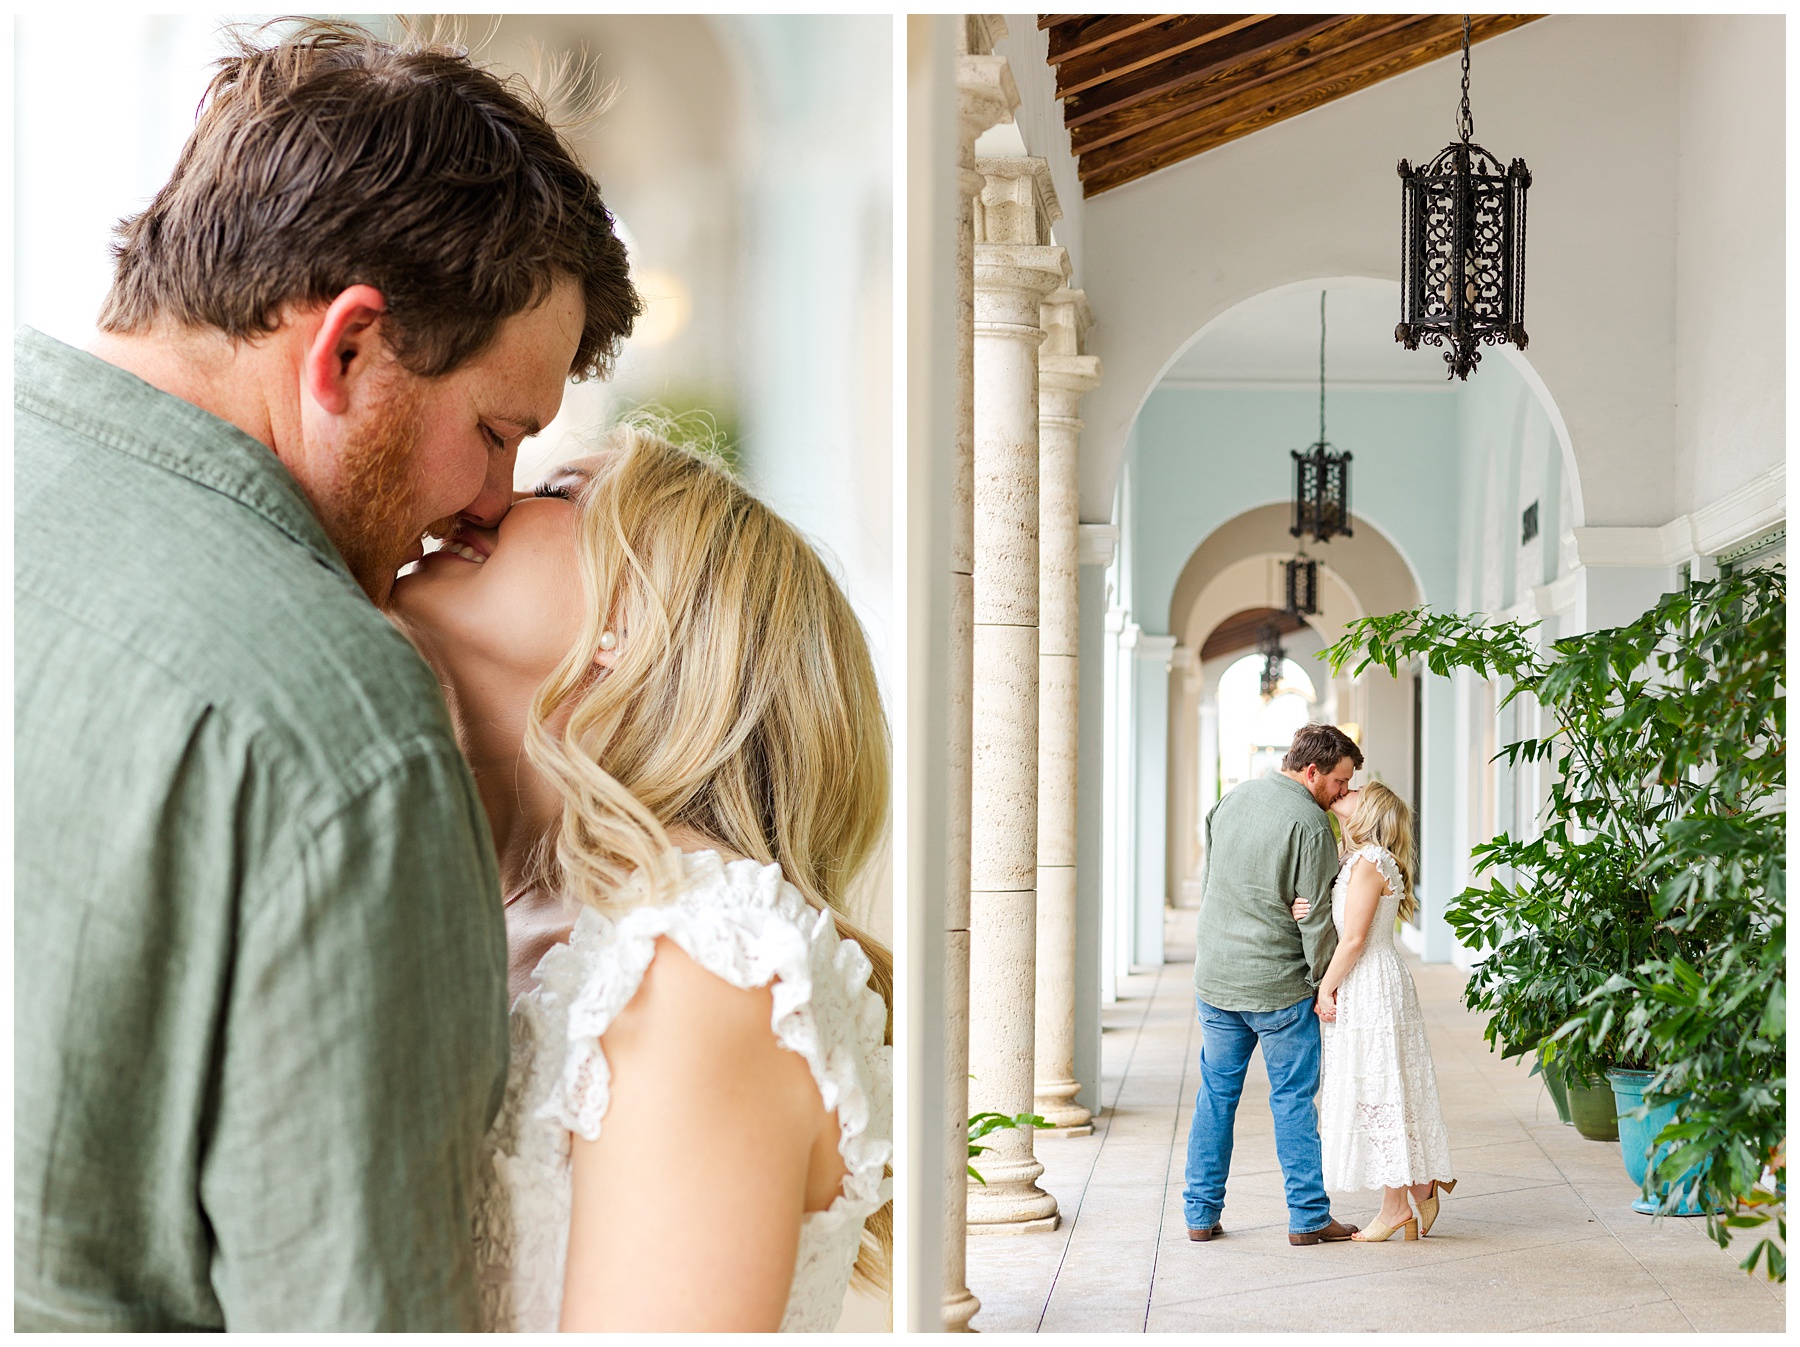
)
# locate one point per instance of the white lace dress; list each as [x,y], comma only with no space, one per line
[1379,1119]
[745,924]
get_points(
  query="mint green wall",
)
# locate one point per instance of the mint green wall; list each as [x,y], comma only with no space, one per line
[1202,456]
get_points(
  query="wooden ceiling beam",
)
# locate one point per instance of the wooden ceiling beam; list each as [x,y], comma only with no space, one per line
[1095,32]
[1100,99]
[1285,62]
[1263,106]
[1243,631]
[1154,46]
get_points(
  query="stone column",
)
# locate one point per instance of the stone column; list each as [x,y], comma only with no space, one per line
[1064,375]
[1014,269]
[1209,767]
[1150,805]
[985,95]
[1184,777]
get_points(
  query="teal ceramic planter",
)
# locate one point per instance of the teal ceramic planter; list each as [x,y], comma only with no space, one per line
[1635,1143]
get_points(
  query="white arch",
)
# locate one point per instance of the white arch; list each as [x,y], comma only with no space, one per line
[1587,100]
[1513,358]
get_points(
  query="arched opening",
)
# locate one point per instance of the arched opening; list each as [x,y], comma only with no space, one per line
[1254,730]
[1230,586]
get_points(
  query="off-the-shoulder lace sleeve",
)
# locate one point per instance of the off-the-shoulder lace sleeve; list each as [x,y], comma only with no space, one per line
[743,923]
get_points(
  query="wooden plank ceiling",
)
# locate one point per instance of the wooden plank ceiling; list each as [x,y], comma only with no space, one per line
[1143,91]
[1243,629]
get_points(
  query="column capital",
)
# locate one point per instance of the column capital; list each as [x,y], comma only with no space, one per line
[1065,318]
[1064,374]
[1072,375]
[982,32]
[1155,649]
[985,96]
[1010,279]
[1185,660]
[1017,203]
[1099,543]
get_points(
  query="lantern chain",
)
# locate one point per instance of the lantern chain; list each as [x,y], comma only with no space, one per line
[1321,367]
[1465,121]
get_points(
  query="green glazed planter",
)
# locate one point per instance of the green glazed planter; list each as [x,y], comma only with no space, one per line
[1559,1093]
[1594,1110]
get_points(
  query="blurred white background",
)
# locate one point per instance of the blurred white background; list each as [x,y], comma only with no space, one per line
[749,158]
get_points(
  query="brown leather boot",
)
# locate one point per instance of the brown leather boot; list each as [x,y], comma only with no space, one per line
[1201,1236]
[1327,1234]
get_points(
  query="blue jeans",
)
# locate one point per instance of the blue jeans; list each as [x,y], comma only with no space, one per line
[1290,1045]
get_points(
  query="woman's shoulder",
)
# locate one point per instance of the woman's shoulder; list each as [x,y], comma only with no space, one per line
[750,956]
[1381,861]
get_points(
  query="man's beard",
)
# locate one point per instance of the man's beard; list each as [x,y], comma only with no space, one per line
[372,516]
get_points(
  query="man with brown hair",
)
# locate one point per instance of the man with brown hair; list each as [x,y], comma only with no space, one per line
[260,964]
[1268,843]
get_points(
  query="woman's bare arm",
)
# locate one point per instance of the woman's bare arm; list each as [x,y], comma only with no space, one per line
[1361,897]
[687,1208]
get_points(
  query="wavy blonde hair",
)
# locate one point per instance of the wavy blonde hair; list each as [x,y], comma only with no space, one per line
[1382,817]
[743,705]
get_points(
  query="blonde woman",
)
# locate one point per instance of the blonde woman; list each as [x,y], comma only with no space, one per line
[1380,1124]
[673,719]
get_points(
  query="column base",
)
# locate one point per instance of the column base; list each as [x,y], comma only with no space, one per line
[1055,1104]
[1013,1201]
[1042,1225]
[959,1308]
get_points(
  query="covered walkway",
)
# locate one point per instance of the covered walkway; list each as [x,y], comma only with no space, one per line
[1538,1235]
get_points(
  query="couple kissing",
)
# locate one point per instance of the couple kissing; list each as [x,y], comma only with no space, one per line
[459,948]
[1295,955]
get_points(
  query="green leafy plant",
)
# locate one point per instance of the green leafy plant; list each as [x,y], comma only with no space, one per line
[1712,1013]
[982,1124]
[1644,926]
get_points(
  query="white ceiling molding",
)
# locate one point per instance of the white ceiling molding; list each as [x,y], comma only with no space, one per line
[1752,509]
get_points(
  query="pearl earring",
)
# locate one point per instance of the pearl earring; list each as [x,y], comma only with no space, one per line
[608,641]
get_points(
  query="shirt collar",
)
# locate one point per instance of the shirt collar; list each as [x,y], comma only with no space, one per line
[117,409]
[1294,785]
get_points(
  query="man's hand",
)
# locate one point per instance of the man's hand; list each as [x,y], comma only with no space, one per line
[1300,908]
[1326,1006]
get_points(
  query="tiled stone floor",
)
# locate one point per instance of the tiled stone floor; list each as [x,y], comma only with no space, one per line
[1538,1236]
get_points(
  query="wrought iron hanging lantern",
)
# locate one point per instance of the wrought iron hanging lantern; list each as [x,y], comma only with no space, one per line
[1302,585]
[1462,269]
[1321,475]
[1269,646]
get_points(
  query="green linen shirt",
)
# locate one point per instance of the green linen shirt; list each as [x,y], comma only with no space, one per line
[259,974]
[1267,843]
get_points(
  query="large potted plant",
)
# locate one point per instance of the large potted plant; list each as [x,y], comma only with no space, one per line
[1712,1015]
[1656,865]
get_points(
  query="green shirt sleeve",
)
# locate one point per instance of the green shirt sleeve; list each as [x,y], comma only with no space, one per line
[1315,871]
[362,1056]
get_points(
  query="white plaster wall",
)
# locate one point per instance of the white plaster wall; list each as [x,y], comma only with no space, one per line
[1588,101]
[1731,355]
[1038,124]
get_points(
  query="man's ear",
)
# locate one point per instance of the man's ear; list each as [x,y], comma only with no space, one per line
[339,353]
